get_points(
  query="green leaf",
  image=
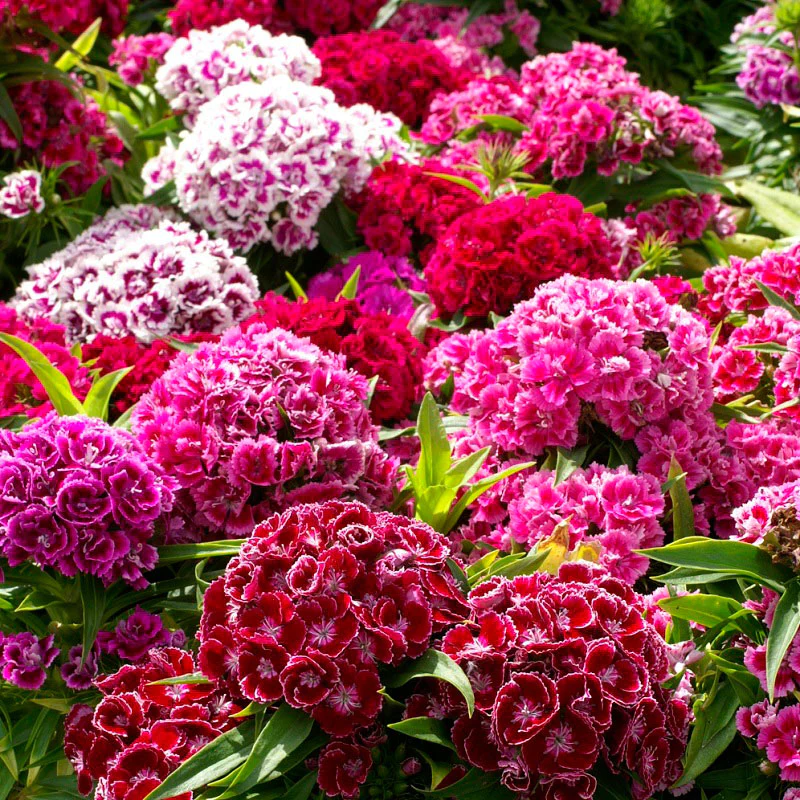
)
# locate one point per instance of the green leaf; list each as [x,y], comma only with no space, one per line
[160,129]
[434,458]
[177,553]
[296,288]
[567,461]
[189,679]
[475,785]
[503,123]
[81,47]
[705,609]
[183,347]
[774,299]
[435,664]
[164,196]
[93,601]
[350,289]
[285,731]
[54,381]
[217,759]
[784,628]
[99,396]
[465,469]
[385,13]
[465,182]
[9,114]
[781,209]
[427,729]
[682,509]
[303,788]
[764,347]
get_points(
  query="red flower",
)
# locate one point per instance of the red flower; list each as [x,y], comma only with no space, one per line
[343,768]
[472,737]
[272,620]
[524,706]
[352,702]
[622,679]
[260,666]
[137,771]
[121,714]
[568,744]
[308,680]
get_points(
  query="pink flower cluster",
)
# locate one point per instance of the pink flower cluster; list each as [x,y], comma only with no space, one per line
[198,67]
[265,159]
[317,599]
[21,194]
[145,283]
[60,127]
[567,675]
[383,282]
[769,75]
[491,258]
[24,659]
[137,57]
[390,74]
[771,506]
[258,422]
[581,351]
[72,17]
[81,497]
[140,732]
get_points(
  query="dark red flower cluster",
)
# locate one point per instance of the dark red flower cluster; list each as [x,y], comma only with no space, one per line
[567,675]
[72,17]
[374,344]
[140,733]
[317,17]
[316,600]
[404,207]
[388,73]
[493,257]
[58,127]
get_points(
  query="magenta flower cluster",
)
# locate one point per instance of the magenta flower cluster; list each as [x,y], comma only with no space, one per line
[137,57]
[258,422]
[81,497]
[21,194]
[118,279]
[24,659]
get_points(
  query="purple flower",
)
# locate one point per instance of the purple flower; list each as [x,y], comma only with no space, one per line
[79,677]
[135,636]
[24,659]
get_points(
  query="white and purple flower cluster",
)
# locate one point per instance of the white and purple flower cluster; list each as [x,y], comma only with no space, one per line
[21,194]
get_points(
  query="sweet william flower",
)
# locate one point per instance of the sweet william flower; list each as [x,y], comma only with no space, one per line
[343,768]
[24,659]
[21,194]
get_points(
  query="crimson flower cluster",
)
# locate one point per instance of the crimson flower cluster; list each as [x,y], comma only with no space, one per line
[72,17]
[567,676]
[317,599]
[374,345]
[387,72]
[81,497]
[140,733]
[491,258]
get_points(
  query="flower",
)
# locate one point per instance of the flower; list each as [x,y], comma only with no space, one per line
[79,673]
[257,422]
[137,57]
[343,768]
[21,194]
[24,659]
[121,279]
[270,181]
[135,636]
[81,497]
[74,17]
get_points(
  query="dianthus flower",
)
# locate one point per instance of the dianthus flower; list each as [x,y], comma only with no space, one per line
[773,510]
[137,57]
[198,67]
[20,390]
[579,352]
[404,207]
[72,17]
[135,636]
[81,497]
[258,422]
[265,159]
[567,674]
[374,345]
[317,599]
[78,672]
[21,194]
[490,258]
[24,659]
[139,732]
[144,283]
[383,283]
[381,69]
[58,127]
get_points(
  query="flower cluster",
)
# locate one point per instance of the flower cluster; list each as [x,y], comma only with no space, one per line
[59,128]
[384,283]
[405,206]
[71,17]
[24,659]
[256,423]
[317,599]
[265,159]
[567,675]
[21,194]
[81,497]
[769,75]
[137,57]
[198,67]
[144,283]
[376,345]
[490,258]
[140,732]
[387,72]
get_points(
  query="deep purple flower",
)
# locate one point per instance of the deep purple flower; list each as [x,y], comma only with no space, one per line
[76,676]
[24,659]
[135,636]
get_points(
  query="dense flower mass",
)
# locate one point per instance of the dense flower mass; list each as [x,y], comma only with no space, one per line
[144,283]
[81,497]
[72,17]
[491,258]
[21,194]
[567,674]
[318,597]
[198,67]
[265,159]
[60,128]
[137,57]
[258,422]
[376,345]
[140,732]
[388,73]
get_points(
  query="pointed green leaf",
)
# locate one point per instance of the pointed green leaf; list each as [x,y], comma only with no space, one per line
[780,208]
[160,129]
[9,114]
[567,461]
[502,123]
[705,609]
[81,47]
[99,396]
[298,290]
[302,789]
[350,289]
[93,601]
[774,299]
[465,469]
[177,553]
[434,459]
[465,182]
[182,680]
[427,729]
[682,509]
[784,629]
